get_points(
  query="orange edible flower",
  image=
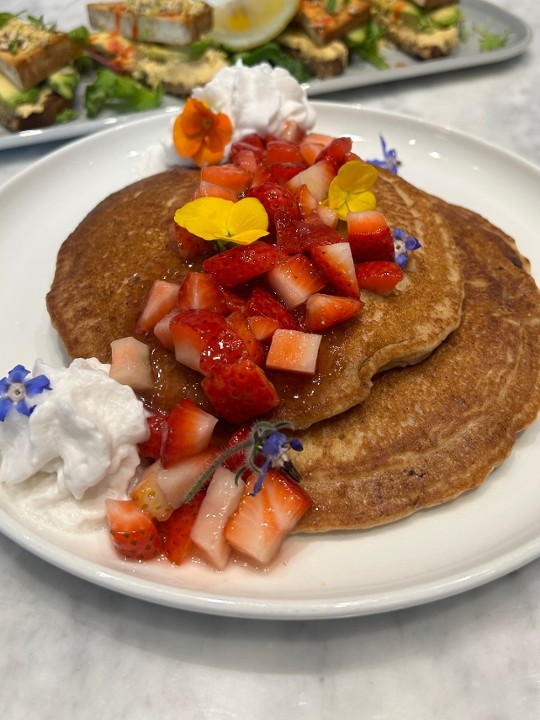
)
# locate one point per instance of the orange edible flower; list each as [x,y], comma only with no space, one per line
[201,134]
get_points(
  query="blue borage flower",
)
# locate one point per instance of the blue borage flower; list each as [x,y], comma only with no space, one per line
[390,159]
[265,447]
[15,391]
[403,245]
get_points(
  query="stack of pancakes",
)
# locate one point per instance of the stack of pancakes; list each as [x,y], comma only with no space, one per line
[414,402]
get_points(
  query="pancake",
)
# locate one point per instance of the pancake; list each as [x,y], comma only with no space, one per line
[108,264]
[430,432]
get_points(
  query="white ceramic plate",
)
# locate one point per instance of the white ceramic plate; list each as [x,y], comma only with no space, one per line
[360,74]
[433,554]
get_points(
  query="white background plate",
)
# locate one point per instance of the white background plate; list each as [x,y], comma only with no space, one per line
[433,554]
[359,74]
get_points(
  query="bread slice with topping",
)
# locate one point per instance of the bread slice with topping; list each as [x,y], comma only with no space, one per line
[171,22]
[326,22]
[324,61]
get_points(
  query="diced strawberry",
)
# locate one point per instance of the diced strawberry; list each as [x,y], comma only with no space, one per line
[312,144]
[277,201]
[265,303]
[283,172]
[188,431]
[253,140]
[189,245]
[252,144]
[323,311]
[176,531]
[281,151]
[379,276]
[291,131]
[306,201]
[161,299]
[262,327]
[369,236]
[221,500]
[133,532]
[336,263]
[260,176]
[293,351]
[234,300]
[208,189]
[240,392]
[295,279]
[317,177]
[328,216]
[130,363]
[227,175]
[151,447]
[203,339]
[262,521]
[242,263]
[179,480]
[149,497]
[200,291]
[162,329]
[351,156]
[295,236]
[336,152]
[254,347]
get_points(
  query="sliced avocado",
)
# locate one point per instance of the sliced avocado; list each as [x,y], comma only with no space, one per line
[411,15]
[11,96]
[446,16]
[358,36]
[64,81]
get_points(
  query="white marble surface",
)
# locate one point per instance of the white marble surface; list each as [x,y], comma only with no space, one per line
[73,651]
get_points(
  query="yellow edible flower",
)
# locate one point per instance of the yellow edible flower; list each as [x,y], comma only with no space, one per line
[213,218]
[350,190]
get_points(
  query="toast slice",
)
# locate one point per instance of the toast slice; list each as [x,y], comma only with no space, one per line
[324,25]
[322,62]
[170,22]
[30,52]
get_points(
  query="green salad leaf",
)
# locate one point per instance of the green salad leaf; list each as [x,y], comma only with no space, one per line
[119,92]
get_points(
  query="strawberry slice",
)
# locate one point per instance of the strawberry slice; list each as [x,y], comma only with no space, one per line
[161,300]
[228,176]
[379,276]
[188,431]
[242,263]
[241,327]
[262,327]
[312,145]
[281,173]
[336,263]
[296,236]
[130,363]
[240,392]
[277,201]
[295,280]
[293,351]
[179,480]
[176,531]
[317,177]
[133,532]
[369,236]
[306,202]
[282,151]
[261,523]
[336,152]
[149,496]
[203,339]
[151,447]
[190,246]
[323,311]
[262,302]
[200,291]
[162,329]
[221,500]
[208,189]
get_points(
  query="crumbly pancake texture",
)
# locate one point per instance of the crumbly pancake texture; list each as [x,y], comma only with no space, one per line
[107,265]
[430,432]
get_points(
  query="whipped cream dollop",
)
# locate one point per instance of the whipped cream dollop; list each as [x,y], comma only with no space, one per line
[77,447]
[256,98]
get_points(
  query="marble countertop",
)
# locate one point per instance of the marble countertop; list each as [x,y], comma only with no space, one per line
[70,650]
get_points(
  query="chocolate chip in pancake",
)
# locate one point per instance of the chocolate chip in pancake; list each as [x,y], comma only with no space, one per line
[107,265]
[430,432]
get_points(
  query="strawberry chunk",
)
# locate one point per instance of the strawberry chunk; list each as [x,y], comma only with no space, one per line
[130,363]
[281,173]
[208,189]
[188,431]
[179,480]
[228,176]
[189,245]
[379,276]
[369,236]
[161,300]
[293,351]
[336,152]
[133,532]
[262,327]
[149,496]
[261,522]
[162,329]
[295,280]
[176,531]
[200,291]
[151,447]
[336,263]
[240,392]
[295,236]
[323,311]
[317,177]
[277,201]
[242,263]
[262,302]
[241,327]
[282,151]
